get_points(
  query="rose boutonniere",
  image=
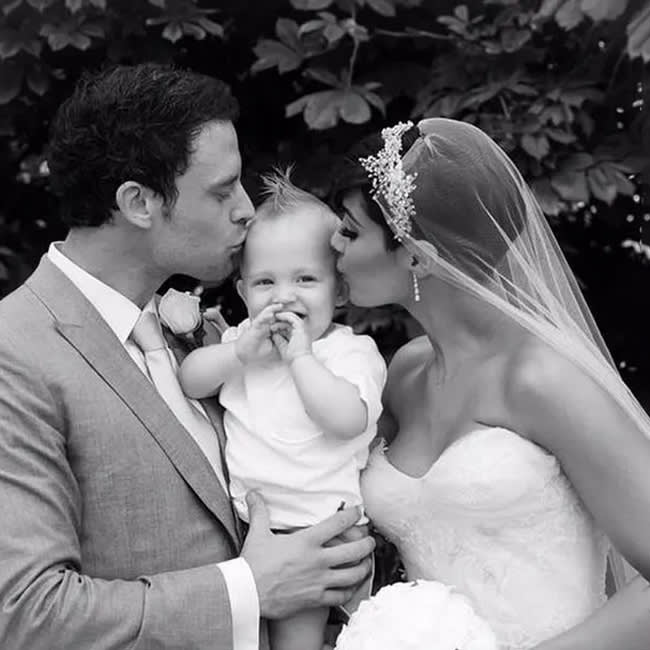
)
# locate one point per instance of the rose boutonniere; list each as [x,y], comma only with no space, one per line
[181,313]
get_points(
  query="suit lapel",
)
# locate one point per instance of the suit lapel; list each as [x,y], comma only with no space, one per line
[82,326]
[210,405]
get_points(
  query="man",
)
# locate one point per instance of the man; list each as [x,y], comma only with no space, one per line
[117,531]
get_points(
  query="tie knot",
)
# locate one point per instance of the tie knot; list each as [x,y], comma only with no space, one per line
[147,333]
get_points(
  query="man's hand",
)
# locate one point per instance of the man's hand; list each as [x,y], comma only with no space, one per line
[255,343]
[296,571]
[290,336]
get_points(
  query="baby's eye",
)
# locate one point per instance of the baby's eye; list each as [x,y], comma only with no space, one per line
[262,282]
[307,278]
[347,233]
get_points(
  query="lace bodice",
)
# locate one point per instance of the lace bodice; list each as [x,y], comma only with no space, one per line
[497,518]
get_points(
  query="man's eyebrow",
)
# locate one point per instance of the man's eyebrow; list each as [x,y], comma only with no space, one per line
[229,180]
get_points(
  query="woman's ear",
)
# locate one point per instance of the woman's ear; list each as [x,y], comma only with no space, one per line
[419,257]
[342,292]
[138,204]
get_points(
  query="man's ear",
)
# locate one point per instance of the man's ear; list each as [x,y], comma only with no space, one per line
[138,204]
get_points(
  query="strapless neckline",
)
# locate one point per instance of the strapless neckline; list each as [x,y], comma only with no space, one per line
[452,448]
[493,515]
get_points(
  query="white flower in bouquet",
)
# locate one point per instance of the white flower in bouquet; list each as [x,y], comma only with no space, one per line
[419,615]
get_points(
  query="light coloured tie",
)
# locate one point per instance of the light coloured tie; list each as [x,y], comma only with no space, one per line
[148,336]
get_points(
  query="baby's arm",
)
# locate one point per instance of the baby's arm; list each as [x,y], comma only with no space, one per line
[332,402]
[204,370]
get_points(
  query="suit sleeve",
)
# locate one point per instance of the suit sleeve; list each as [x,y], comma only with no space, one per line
[46,601]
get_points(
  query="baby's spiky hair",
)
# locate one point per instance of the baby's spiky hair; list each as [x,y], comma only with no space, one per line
[282,196]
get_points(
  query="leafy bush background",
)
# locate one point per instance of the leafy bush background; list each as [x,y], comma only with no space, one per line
[562,85]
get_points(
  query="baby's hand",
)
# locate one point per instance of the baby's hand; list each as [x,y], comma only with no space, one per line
[255,343]
[290,336]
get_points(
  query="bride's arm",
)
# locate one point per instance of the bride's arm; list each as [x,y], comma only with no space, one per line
[606,457]
[623,623]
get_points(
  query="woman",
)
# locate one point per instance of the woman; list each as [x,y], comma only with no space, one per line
[516,443]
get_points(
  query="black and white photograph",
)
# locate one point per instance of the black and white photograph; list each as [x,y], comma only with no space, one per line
[323,325]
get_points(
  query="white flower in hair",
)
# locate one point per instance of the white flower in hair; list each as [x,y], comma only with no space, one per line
[389,181]
[419,615]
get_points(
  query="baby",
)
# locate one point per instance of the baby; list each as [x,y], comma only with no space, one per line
[302,395]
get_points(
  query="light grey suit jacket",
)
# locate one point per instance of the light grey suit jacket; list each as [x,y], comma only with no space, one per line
[111,519]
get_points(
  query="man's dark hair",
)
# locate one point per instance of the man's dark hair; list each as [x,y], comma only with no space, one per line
[129,123]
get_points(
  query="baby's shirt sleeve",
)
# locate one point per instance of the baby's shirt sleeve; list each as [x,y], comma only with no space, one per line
[233,333]
[358,360]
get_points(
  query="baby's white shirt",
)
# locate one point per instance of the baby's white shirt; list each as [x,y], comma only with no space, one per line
[274,447]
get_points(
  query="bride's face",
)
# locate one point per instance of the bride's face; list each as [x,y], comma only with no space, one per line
[372,271]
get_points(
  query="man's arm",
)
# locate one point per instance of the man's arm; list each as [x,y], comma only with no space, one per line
[46,599]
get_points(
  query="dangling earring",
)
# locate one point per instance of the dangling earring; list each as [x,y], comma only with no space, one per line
[416,287]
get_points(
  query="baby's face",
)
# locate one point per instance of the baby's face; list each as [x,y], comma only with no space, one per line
[288,260]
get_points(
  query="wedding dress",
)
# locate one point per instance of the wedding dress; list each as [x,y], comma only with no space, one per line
[495,517]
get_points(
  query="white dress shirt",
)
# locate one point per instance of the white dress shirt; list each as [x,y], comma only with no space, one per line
[121,315]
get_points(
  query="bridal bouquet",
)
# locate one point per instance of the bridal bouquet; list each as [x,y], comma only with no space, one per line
[419,615]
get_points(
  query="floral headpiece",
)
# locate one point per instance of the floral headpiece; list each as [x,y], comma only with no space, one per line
[389,181]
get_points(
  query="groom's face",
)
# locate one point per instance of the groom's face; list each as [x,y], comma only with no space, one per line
[201,233]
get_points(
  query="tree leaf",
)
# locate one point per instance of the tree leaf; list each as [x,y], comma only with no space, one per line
[296,106]
[638,35]
[536,146]
[11,80]
[333,33]
[41,5]
[383,7]
[571,185]
[559,135]
[38,80]
[173,31]
[569,15]
[549,8]
[79,40]
[324,76]
[600,185]
[514,39]
[577,162]
[461,13]
[215,29]
[354,108]
[600,10]
[275,54]
[312,5]
[322,110]
[287,31]
[311,26]
[375,100]
[8,7]
[74,5]
[548,199]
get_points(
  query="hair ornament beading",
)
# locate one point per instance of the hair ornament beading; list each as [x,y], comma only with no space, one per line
[389,181]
